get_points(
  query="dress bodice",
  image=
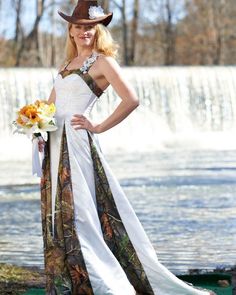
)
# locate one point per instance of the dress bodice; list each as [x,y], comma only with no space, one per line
[76,91]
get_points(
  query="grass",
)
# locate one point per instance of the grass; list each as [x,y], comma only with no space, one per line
[15,280]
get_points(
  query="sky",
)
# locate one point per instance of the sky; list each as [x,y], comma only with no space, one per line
[7,20]
[28,16]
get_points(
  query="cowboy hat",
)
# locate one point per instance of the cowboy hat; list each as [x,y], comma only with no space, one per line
[87,13]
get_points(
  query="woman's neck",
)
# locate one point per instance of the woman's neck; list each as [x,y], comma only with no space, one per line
[84,52]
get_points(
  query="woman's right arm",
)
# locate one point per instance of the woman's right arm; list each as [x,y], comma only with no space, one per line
[52,97]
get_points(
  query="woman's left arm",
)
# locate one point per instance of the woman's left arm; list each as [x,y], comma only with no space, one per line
[129,100]
[111,70]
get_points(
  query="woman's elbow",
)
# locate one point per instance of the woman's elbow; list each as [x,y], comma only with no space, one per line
[135,103]
[132,102]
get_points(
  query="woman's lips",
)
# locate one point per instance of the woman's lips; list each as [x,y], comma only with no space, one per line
[84,37]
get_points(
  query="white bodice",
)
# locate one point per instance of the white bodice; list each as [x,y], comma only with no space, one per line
[73,93]
[73,96]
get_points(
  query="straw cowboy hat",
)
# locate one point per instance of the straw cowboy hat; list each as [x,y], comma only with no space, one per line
[86,13]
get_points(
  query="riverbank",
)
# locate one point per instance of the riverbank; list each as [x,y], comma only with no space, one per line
[15,280]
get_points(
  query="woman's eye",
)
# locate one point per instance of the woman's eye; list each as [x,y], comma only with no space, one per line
[86,28]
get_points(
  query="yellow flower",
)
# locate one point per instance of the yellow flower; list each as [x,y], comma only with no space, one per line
[20,121]
[51,109]
[45,108]
[36,118]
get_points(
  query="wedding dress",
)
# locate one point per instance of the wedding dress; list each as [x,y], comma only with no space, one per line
[93,241]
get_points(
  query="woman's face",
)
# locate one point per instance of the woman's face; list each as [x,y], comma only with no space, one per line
[83,35]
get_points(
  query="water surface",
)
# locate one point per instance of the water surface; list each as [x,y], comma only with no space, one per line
[184,199]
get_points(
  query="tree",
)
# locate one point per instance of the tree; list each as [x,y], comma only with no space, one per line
[18,8]
[169,34]
[134,32]
[105,4]
[218,22]
[31,41]
[122,9]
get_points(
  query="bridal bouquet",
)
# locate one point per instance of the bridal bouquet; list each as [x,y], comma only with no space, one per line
[36,119]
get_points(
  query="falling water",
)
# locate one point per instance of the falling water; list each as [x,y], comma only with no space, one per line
[179,106]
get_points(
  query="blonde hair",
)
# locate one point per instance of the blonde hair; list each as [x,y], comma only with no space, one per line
[103,43]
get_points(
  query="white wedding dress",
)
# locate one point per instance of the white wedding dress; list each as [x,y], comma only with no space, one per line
[76,94]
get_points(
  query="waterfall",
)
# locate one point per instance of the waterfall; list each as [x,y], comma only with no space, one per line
[180,107]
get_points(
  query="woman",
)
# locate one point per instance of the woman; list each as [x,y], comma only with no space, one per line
[93,240]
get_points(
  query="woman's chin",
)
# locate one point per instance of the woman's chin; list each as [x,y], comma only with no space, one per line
[86,43]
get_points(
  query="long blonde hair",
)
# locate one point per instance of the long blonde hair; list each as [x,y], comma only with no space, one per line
[103,43]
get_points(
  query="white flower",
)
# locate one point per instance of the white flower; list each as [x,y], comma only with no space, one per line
[87,63]
[95,12]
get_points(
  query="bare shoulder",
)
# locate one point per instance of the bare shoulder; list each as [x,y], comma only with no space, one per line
[108,65]
[62,66]
[105,60]
[113,73]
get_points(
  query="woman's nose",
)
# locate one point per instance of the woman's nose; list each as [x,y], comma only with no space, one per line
[84,29]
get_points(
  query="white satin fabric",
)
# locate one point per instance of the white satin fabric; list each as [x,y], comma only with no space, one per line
[73,96]
[37,158]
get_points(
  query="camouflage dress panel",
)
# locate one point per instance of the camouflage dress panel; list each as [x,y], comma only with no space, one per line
[65,269]
[87,79]
[113,228]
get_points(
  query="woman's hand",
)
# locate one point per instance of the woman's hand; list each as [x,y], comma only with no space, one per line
[41,144]
[81,122]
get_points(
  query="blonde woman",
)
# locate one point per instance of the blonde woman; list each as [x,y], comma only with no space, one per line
[93,240]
